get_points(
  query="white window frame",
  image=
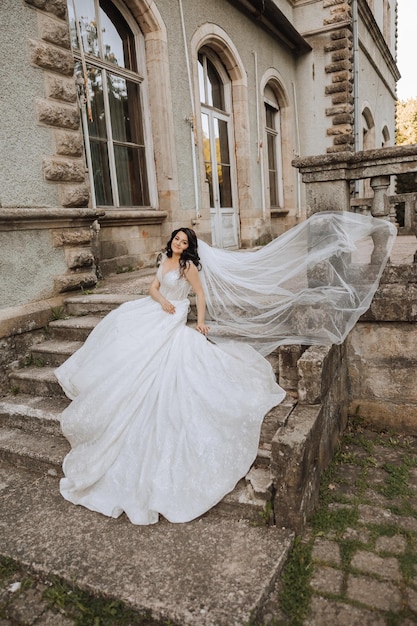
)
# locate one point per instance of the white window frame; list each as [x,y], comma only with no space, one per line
[276,131]
[138,77]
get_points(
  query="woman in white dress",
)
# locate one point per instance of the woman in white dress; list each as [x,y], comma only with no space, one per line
[163,421]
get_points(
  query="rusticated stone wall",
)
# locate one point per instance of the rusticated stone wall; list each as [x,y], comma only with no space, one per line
[382,354]
[339,72]
[51,51]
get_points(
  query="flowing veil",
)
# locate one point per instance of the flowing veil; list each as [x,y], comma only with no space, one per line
[310,285]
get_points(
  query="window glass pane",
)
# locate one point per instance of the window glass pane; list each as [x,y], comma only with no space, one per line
[112,42]
[101,172]
[225,186]
[131,176]
[272,167]
[215,87]
[207,155]
[125,111]
[222,141]
[270,116]
[201,81]
[117,38]
[88,25]
[273,188]
[271,151]
[96,127]
[223,162]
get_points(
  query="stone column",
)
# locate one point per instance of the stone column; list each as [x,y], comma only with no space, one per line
[380,186]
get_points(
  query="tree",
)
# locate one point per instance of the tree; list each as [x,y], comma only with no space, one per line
[406,121]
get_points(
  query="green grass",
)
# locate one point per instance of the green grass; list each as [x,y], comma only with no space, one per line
[83,608]
[296,592]
[336,513]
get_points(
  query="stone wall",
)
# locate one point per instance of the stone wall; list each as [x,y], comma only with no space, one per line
[339,73]
[303,447]
[382,355]
[51,51]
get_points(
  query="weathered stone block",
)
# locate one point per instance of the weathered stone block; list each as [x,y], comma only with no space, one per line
[74,195]
[71,237]
[340,77]
[56,7]
[343,140]
[343,148]
[340,66]
[61,88]
[339,98]
[338,44]
[63,170]
[338,87]
[112,249]
[68,143]
[317,367]
[54,31]
[78,258]
[294,467]
[337,110]
[51,58]
[393,302]
[74,281]
[57,114]
[288,370]
[339,130]
[343,118]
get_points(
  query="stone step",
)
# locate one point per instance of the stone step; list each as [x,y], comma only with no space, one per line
[35,381]
[73,328]
[213,570]
[40,452]
[38,418]
[36,414]
[96,303]
[277,417]
[104,303]
[53,353]
[34,451]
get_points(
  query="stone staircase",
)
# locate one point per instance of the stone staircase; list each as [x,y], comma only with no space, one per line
[30,434]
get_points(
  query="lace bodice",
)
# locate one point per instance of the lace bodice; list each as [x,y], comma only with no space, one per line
[173,286]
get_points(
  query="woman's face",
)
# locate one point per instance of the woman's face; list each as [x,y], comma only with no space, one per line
[179,243]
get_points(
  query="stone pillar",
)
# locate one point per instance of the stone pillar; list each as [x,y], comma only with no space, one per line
[380,186]
[331,195]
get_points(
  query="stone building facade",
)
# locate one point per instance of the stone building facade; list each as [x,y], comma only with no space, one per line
[124,119]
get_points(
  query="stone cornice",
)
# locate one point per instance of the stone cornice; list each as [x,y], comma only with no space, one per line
[268,15]
[355,166]
[132,217]
[44,218]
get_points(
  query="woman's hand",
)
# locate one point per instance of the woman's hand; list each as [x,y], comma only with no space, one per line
[168,306]
[203,328]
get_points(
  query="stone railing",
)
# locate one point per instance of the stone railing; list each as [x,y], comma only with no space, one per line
[328,180]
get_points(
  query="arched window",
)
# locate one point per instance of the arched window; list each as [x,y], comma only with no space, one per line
[105,51]
[368,130]
[274,152]
[216,124]
[386,139]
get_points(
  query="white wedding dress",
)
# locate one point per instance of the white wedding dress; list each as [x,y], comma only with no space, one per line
[162,421]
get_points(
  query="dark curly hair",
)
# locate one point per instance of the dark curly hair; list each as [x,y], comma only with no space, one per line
[190,255]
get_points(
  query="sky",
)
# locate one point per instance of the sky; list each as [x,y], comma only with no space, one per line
[407,50]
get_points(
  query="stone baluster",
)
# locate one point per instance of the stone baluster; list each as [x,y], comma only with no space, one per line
[380,186]
[380,208]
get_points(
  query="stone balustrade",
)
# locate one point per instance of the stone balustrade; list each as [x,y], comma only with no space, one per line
[328,178]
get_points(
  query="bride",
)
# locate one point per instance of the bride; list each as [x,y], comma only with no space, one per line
[163,421]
